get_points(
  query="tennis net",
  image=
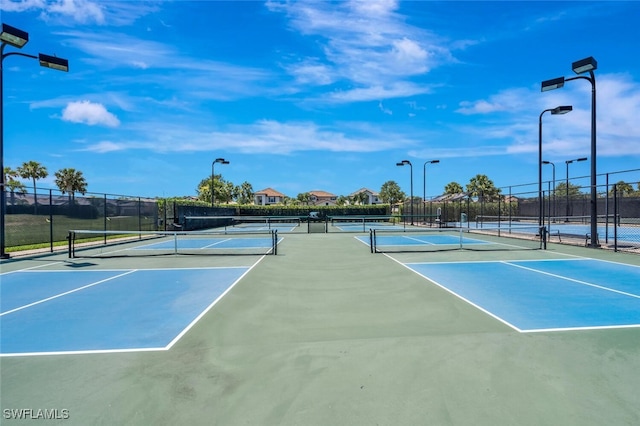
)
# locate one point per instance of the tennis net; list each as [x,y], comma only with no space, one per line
[362,223]
[281,223]
[91,243]
[461,238]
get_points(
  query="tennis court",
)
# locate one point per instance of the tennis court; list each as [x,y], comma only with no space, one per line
[54,311]
[326,332]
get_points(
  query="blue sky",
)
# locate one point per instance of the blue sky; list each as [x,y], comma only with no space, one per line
[320,95]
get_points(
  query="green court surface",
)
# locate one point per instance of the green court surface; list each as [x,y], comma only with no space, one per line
[327,333]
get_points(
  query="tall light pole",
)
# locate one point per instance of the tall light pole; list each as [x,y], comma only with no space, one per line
[580,67]
[424,186]
[555,211]
[221,161]
[567,162]
[404,163]
[554,111]
[10,36]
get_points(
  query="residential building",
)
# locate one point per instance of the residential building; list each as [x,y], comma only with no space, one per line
[372,197]
[267,197]
[322,198]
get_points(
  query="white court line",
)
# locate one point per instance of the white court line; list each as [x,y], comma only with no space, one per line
[65,293]
[537,330]
[31,268]
[130,350]
[445,288]
[573,280]
[208,308]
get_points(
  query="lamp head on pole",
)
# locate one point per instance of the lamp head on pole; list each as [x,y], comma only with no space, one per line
[13,36]
[554,83]
[562,109]
[53,62]
[403,163]
[577,159]
[584,65]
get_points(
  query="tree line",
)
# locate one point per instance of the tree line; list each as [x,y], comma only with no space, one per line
[225,192]
[68,180]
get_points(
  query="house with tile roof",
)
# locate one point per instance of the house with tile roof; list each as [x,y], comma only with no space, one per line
[267,197]
[372,197]
[322,198]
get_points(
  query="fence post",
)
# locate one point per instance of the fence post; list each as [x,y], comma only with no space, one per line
[615,215]
[106,212]
[51,220]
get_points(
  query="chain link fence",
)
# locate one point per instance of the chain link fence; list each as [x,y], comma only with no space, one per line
[565,209]
[45,217]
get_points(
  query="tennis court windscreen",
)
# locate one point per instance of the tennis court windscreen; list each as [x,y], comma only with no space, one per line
[86,243]
[444,239]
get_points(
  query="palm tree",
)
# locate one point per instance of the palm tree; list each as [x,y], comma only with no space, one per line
[13,184]
[71,181]
[623,189]
[482,187]
[304,198]
[361,198]
[244,193]
[391,193]
[453,188]
[34,171]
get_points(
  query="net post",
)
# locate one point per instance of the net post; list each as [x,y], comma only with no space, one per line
[71,237]
[275,242]
[543,236]
[371,239]
[375,243]
[175,242]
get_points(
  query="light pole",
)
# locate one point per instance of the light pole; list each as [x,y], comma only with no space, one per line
[555,211]
[579,67]
[424,186]
[567,162]
[10,36]
[554,111]
[404,163]
[213,195]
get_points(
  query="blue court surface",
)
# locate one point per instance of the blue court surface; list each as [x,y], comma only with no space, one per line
[544,295]
[46,312]
[426,239]
[209,243]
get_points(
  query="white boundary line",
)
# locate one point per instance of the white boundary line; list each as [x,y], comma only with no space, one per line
[19,308]
[456,294]
[624,293]
[130,350]
[31,267]
[208,308]
[537,330]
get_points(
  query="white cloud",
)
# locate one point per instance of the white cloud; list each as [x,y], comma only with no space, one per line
[90,113]
[21,5]
[385,110]
[365,44]
[396,90]
[69,12]
[264,136]
[506,100]
[515,114]
[82,11]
